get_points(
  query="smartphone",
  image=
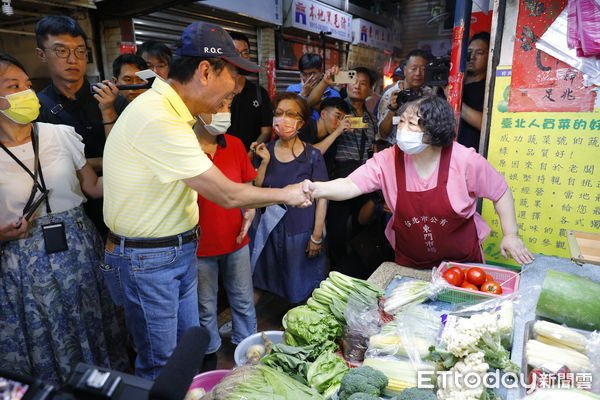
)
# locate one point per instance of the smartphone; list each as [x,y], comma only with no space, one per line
[357,123]
[344,77]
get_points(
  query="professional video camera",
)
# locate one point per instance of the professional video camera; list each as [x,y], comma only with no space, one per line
[94,383]
[437,71]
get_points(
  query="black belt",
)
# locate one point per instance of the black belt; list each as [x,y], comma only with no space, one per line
[155,243]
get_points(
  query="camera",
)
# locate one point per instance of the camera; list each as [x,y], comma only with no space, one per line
[406,96]
[437,71]
[86,382]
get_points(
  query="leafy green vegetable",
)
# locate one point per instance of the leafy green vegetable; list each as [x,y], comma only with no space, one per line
[291,366]
[304,326]
[295,360]
[268,384]
[327,370]
[441,355]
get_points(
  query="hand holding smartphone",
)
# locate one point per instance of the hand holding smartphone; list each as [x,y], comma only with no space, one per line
[344,77]
[357,123]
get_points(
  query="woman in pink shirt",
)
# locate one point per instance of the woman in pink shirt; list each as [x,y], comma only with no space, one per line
[432,183]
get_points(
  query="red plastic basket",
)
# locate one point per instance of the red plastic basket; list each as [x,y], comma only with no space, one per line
[455,294]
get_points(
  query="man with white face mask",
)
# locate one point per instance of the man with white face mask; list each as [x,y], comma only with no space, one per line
[223,245]
[432,184]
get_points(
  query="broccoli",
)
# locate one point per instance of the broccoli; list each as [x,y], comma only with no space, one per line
[365,380]
[416,394]
[363,396]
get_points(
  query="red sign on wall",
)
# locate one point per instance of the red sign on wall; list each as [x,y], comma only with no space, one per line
[541,82]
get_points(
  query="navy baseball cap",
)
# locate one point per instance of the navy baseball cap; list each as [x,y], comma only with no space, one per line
[202,39]
[398,71]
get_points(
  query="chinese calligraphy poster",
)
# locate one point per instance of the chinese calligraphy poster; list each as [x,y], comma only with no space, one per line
[551,162]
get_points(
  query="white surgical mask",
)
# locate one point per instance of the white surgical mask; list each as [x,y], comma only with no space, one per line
[219,124]
[410,142]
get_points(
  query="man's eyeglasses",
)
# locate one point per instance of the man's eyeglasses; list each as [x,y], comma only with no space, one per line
[64,52]
[245,53]
[289,114]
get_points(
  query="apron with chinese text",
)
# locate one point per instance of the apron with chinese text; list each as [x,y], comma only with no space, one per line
[428,230]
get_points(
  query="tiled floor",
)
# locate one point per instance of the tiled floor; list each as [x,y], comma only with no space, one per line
[269,311]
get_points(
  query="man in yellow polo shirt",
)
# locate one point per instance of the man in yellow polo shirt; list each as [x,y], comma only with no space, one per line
[154,169]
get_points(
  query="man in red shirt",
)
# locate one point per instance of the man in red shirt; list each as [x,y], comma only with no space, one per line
[223,244]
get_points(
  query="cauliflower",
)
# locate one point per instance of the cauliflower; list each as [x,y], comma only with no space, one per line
[457,390]
[480,333]
[462,339]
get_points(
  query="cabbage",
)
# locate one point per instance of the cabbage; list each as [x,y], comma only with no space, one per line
[304,326]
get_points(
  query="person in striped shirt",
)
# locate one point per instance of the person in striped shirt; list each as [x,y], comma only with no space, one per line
[154,169]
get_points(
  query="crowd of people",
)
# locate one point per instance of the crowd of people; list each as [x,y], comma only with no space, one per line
[120,209]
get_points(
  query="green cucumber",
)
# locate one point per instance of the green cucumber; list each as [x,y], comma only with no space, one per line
[571,300]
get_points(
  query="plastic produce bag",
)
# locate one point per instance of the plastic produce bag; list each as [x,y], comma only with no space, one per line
[362,321]
[588,20]
[413,330]
[554,42]
[413,292]
[593,351]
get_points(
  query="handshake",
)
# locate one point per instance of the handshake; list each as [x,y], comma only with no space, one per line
[300,194]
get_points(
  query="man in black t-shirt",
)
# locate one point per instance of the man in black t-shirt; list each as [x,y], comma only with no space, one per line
[469,129]
[71,100]
[251,109]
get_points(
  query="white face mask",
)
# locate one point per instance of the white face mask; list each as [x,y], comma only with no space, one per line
[410,142]
[219,124]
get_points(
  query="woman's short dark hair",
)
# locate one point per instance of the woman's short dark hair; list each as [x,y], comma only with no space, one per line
[310,60]
[305,111]
[183,67]
[57,25]
[435,118]
[156,49]
[6,60]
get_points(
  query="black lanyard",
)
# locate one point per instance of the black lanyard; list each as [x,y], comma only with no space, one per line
[41,185]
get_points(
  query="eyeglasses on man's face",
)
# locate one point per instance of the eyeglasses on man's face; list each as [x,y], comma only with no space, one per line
[64,52]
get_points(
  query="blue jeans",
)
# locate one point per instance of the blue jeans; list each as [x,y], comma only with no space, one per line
[237,280]
[158,289]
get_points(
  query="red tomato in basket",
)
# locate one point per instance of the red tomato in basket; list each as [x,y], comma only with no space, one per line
[488,278]
[476,276]
[469,286]
[453,277]
[491,287]
[458,271]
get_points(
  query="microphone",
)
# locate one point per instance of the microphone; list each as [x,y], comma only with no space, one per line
[174,380]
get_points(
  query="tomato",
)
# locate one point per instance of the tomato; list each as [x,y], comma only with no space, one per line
[459,272]
[488,278]
[491,287]
[454,278]
[476,276]
[469,286]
